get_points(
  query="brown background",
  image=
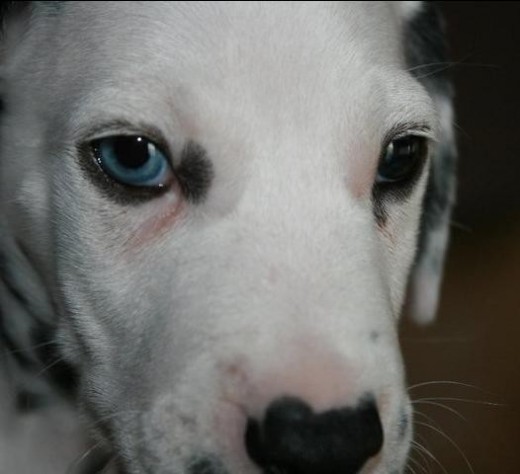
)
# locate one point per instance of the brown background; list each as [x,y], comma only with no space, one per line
[476,338]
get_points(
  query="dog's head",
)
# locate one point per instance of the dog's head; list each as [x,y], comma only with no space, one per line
[215,207]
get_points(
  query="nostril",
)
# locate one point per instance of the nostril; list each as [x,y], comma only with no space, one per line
[295,440]
[283,423]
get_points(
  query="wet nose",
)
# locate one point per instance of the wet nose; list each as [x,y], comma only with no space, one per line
[294,440]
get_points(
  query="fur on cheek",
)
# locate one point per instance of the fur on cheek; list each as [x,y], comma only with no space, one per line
[161,216]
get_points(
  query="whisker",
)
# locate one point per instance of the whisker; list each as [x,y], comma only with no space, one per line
[426,417]
[35,346]
[464,400]
[450,440]
[448,64]
[438,340]
[424,459]
[441,405]
[81,459]
[461,130]
[108,465]
[460,226]
[430,455]
[417,464]
[409,468]
[51,365]
[99,421]
[442,382]
[445,65]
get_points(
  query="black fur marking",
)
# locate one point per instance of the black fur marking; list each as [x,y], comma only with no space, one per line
[439,198]
[9,284]
[426,49]
[27,401]
[61,374]
[8,9]
[205,465]
[426,55]
[194,173]
[18,354]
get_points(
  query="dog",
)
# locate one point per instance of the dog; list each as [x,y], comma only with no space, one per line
[211,213]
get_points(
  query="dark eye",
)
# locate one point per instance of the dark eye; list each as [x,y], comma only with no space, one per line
[402,159]
[133,160]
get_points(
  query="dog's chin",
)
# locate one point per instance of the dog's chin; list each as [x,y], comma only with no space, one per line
[210,464]
[198,465]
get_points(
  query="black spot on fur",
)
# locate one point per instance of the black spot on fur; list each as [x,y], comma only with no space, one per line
[27,401]
[61,374]
[194,173]
[205,465]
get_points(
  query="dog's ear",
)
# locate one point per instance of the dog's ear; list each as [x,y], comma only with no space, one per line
[426,55]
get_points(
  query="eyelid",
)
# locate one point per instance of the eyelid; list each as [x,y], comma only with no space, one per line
[125,128]
[404,129]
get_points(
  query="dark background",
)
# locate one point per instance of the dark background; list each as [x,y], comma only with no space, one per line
[476,338]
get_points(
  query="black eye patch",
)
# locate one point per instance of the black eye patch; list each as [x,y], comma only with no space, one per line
[194,173]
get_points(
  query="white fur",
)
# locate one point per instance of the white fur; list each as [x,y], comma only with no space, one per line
[280,276]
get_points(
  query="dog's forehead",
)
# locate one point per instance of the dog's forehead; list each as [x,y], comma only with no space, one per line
[284,60]
[321,79]
[269,46]
[208,28]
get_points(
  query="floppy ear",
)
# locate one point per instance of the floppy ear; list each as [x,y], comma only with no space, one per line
[426,55]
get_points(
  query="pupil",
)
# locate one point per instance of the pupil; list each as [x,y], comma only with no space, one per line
[405,148]
[401,157]
[131,152]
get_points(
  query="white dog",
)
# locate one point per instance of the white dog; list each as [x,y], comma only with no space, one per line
[209,215]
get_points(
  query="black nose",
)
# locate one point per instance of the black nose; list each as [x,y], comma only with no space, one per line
[294,440]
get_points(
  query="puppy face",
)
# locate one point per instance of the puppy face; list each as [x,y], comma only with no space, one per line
[227,200]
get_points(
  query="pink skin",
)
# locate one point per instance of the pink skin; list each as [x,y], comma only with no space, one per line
[306,369]
[362,170]
[166,213]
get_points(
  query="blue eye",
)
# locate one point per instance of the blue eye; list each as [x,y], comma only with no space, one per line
[133,160]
